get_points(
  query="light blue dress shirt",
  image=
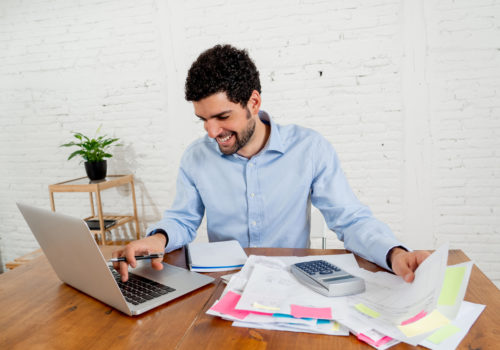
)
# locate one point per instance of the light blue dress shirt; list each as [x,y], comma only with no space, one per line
[265,201]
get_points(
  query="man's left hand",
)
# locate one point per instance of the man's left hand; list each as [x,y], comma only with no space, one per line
[405,263]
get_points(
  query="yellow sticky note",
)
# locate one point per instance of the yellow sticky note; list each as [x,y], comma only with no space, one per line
[443,333]
[451,285]
[264,307]
[366,310]
[336,326]
[426,324]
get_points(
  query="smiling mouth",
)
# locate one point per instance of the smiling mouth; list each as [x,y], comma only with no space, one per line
[224,139]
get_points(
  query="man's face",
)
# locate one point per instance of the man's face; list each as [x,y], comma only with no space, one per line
[231,125]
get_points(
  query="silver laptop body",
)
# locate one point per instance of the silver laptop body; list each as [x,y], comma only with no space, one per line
[75,257]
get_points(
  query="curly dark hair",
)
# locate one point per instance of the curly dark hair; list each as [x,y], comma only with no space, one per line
[223,68]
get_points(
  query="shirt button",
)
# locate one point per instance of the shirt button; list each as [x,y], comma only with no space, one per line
[252,194]
[254,223]
[250,165]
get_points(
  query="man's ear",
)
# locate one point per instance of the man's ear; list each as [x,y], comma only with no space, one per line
[253,103]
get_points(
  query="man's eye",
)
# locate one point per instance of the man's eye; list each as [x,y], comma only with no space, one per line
[222,117]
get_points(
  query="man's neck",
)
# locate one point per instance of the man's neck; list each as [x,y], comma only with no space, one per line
[258,140]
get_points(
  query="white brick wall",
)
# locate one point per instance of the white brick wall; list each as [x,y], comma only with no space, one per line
[464,75]
[406,91]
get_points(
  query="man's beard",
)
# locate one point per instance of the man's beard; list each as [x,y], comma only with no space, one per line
[241,140]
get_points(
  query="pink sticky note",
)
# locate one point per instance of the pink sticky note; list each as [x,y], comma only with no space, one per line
[414,318]
[312,312]
[370,341]
[227,304]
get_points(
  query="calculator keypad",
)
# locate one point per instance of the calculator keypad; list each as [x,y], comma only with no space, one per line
[317,266]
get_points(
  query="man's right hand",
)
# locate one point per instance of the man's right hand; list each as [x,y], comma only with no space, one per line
[145,246]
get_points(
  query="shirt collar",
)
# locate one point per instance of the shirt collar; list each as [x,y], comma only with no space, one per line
[274,142]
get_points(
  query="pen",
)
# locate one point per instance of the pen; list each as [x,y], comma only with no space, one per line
[187,256]
[138,257]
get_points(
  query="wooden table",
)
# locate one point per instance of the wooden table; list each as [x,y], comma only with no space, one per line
[83,184]
[40,312]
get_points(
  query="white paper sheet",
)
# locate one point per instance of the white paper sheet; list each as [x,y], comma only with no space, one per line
[396,304]
[316,329]
[451,311]
[466,316]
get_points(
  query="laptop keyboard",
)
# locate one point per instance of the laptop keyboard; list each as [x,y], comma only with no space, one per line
[138,290]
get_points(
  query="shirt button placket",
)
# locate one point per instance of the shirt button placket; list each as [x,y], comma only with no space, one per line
[252,205]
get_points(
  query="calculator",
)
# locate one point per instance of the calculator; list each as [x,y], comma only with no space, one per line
[327,279]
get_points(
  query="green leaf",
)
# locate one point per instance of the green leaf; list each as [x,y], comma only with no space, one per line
[108,142]
[69,144]
[75,153]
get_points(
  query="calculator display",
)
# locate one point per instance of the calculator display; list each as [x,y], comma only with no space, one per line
[337,278]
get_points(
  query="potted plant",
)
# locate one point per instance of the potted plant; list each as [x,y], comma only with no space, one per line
[93,151]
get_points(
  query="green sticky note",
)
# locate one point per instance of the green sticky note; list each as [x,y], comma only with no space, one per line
[451,285]
[443,333]
[366,310]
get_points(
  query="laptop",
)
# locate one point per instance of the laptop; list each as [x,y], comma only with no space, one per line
[77,260]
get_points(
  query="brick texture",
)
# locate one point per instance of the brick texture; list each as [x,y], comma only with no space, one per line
[407,92]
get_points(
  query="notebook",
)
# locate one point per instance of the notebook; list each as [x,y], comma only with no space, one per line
[77,260]
[215,256]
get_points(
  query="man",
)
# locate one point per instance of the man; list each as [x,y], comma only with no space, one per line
[256,180]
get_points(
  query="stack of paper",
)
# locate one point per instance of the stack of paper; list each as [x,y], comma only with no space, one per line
[216,256]
[429,311]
